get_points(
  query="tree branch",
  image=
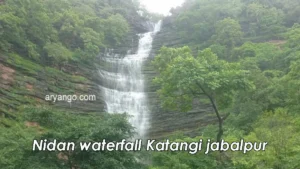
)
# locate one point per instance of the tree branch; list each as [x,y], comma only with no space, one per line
[194,93]
[220,120]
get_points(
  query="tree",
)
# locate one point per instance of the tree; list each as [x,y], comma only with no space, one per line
[266,55]
[116,27]
[58,52]
[264,21]
[281,130]
[28,27]
[47,123]
[184,160]
[228,32]
[291,85]
[293,36]
[267,95]
[195,20]
[14,141]
[183,78]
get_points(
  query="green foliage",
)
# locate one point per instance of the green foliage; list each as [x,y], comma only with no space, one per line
[196,22]
[281,130]
[202,23]
[116,28]
[182,77]
[24,64]
[266,55]
[48,30]
[228,32]
[291,85]
[293,36]
[166,55]
[263,20]
[289,7]
[220,50]
[14,142]
[58,52]
[268,94]
[251,38]
[184,160]
[64,126]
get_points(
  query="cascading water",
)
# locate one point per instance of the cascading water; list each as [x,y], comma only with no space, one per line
[123,86]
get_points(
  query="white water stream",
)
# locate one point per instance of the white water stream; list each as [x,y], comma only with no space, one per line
[124,86]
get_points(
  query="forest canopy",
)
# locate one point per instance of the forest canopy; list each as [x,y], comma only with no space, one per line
[58,31]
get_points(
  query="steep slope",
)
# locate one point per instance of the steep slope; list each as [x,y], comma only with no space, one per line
[164,122]
[54,51]
[222,26]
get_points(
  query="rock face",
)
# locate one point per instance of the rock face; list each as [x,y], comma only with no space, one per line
[167,36]
[23,82]
[165,122]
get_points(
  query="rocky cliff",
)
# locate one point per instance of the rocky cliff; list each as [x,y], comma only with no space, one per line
[165,122]
[24,82]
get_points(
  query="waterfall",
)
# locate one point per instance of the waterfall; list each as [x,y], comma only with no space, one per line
[123,83]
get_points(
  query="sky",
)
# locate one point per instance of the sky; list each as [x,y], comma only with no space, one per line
[161,6]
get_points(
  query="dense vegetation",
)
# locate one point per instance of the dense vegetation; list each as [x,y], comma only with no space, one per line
[240,56]
[41,43]
[54,32]
[46,123]
[245,62]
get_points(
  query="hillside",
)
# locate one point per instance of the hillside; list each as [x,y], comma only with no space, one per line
[240,59]
[214,70]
